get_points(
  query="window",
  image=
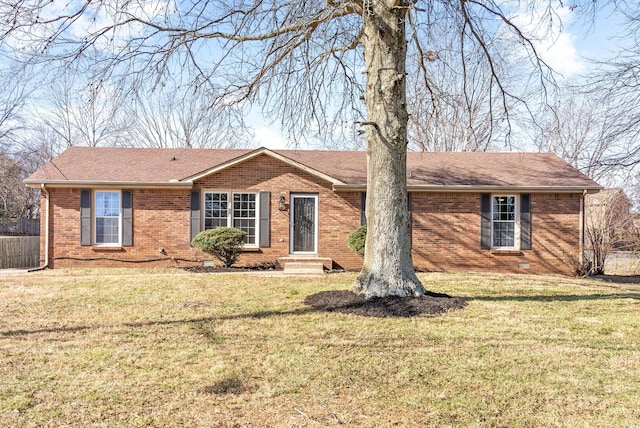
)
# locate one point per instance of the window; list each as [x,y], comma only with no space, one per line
[238,210]
[244,214]
[503,223]
[215,210]
[107,217]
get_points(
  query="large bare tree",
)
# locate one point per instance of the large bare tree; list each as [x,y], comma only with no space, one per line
[616,83]
[314,64]
[451,100]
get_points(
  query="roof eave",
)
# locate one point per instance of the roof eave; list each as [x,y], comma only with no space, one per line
[36,184]
[483,189]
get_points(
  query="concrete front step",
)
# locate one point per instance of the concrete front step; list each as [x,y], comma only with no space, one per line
[282,262]
[304,268]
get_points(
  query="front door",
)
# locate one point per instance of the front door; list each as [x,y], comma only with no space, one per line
[304,224]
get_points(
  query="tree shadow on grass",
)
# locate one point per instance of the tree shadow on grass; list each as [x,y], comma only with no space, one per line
[557,297]
[254,315]
[617,279]
[330,301]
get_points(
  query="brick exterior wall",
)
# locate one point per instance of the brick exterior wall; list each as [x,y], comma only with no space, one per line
[445,226]
[339,213]
[446,234]
[160,219]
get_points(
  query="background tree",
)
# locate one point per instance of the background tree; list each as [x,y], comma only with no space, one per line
[580,129]
[16,199]
[609,227]
[173,117]
[12,100]
[303,61]
[83,112]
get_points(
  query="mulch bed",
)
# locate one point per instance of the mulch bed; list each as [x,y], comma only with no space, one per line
[346,301]
[222,269]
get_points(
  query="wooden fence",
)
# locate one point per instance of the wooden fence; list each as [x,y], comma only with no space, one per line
[20,226]
[19,252]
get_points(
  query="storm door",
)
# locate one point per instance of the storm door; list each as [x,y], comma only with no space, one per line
[304,224]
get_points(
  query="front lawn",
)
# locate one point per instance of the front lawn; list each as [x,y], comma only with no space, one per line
[169,348]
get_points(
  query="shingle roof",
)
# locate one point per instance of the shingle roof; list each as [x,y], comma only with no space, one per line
[79,166]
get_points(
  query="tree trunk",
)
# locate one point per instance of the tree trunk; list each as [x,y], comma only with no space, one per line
[388,267]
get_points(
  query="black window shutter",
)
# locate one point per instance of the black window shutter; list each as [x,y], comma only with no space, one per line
[525,222]
[265,222]
[127,218]
[485,222]
[195,214]
[85,217]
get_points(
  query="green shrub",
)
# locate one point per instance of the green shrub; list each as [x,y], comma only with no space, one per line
[356,240]
[224,243]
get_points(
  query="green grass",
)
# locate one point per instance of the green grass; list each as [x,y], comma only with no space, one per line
[166,348]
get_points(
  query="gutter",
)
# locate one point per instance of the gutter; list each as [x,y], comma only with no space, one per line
[477,189]
[109,184]
[46,231]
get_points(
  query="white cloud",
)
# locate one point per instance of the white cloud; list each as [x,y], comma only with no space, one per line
[552,38]
[269,137]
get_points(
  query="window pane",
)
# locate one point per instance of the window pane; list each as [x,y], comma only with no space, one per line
[504,221]
[107,204]
[210,223]
[107,216]
[215,210]
[503,234]
[107,230]
[249,226]
[244,215]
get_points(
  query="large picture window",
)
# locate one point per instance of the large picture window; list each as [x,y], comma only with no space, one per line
[503,223]
[107,218]
[232,209]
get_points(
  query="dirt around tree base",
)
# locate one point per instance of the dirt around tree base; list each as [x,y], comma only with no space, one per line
[346,301]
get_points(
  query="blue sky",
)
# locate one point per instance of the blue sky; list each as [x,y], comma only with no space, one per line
[568,50]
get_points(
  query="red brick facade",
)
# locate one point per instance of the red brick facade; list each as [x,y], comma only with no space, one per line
[445,226]
[446,234]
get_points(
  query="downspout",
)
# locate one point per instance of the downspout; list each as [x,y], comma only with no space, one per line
[582,225]
[46,231]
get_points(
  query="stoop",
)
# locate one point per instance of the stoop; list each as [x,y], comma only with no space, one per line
[303,266]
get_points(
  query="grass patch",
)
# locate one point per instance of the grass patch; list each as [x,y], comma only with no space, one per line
[170,348]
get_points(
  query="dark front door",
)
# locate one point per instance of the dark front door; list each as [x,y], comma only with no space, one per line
[304,228]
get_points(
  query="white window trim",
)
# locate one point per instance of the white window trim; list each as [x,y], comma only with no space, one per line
[94,218]
[516,232]
[230,194]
